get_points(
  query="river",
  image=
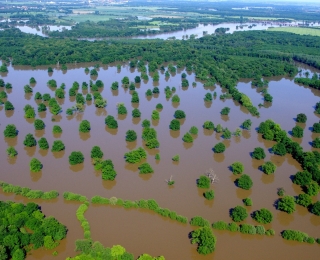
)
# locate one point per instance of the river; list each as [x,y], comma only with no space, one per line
[141,231]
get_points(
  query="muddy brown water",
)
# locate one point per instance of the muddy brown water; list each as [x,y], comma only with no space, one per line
[141,231]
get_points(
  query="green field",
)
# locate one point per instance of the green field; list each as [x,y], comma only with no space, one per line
[297,30]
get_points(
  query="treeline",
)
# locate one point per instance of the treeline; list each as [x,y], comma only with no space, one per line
[24,227]
[313,82]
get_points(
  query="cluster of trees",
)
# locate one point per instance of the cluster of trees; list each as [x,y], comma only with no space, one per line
[25,226]
[144,204]
[205,239]
[27,192]
[296,235]
[313,82]
[149,135]
[74,196]
[111,122]
[135,156]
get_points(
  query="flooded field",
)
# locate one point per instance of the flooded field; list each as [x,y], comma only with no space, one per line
[142,231]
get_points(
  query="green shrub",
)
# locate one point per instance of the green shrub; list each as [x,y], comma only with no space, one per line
[287,204]
[149,133]
[312,188]
[233,227]
[108,172]
[302,178]
[28,89]
[244,182]
[209,195]
[84,126]
[157,156]
[159,106]
[258,153]
[316,208]
[175,99]
[11,151]
[301,118]
[248,229]
[35,165]
[152,143]
[270,232]
[208,125]
[237,168]
[155,115]
[145,168]
[238,214]
[205,239]
[76,197]
[136,113]
[297,131]
[42,107]
[115,85]
[29,141]
[294,235]
[246,124]
[263,216]
[76,157]
[179,114]
[43,143]
[247,202]
[208,97]
[304,200]
[10,131]
[56,129]
[176,158]
[281,192]
[225,111]
[146,123]
[199,222]
[187,138]
[316,128]
[193,130]
[100,102]
[174,125]
[219,148]
[30,113]
[39,124]
[135,156]
[96,152]
[122,110]
[46,97]
[220,225]
[268,97]
[111,122]
[57,146]
[203,182]
[269,168]
[316,142]
[148,93]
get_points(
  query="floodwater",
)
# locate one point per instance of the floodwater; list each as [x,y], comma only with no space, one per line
[179,35]
[142,231]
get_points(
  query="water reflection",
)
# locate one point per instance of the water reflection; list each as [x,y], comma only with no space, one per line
[35,176]
[12,160]
[84,136]
[284,218]
[43,152]
[11,141]
[77,168]
[207,132]
[145,177]
[9,113]
[58,155]
[111,131]
[218,157]
[174,134]
[39,133]
[30,151]
[242,194]
[267,179]
[101,112]
[131,145]
[187,145]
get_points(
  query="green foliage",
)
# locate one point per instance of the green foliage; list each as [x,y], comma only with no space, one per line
[316,142]
[316,128]
[155,115]
[247,202]
[237,168]
[35,165]
[136,113]
[246,124]
[297,131]
[56,129]
[316,209]
[84,126]
[179,114]
[74,197]
[145,168]
[122,110]
[174,125]
[269,167]
[100,102]
[10,131]
[238,214]
[193,130]
[203,182]
[287,204]
[244,182]
[46,97]
[279,149]
[205,239]
[76,157]
[248,229]
[30,113]
[220,225]
[111,122]
[131,136]
[208,97]
[263,216]
[52,83]
[27,89]
[108,171]
[226,134]
[260,230]
[146,123]
[219,148]
[268,97]
[225,111]
[281,192]
[125,80]
[176,158]
[209,195]
[8,106]
[148,93]
[57,146]
[43,143]
[157,156]
[304,200]
[258,153]
[29,141]
[187,138]
[312,188]
[198,221]
[175,99]
[39,124]
[3,95]
[301,118]
[159,106]
[11,151]
[149,133]
[152,143]
[135,156]
[302,178]
[42,107]
[59,93]
[135,97]
[294,235]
